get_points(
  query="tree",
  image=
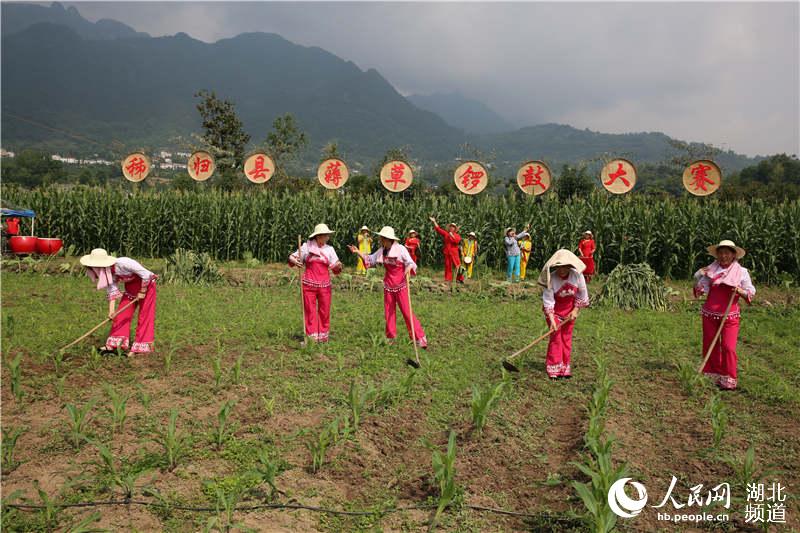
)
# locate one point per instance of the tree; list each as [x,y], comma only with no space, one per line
[330,151]
[392,154]
[573,182]
[224,133]
[284,143]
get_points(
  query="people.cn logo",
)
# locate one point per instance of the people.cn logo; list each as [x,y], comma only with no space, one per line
[621,504]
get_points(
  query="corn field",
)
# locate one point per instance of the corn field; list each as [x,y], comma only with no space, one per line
[669,234]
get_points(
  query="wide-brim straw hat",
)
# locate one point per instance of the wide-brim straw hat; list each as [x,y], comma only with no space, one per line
[726,244]
[364,228]
[452,224]
[98,258]
[508,229]
[560,258]
[472,234]
[388,233]
[587,232]
[413,231]
[321,229]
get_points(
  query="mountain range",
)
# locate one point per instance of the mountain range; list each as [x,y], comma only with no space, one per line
[74,85]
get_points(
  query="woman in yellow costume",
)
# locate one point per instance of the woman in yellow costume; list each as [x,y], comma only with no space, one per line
[364,246]
[525,246]
[469,252]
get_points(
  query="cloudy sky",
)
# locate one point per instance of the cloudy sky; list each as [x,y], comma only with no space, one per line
[725,73]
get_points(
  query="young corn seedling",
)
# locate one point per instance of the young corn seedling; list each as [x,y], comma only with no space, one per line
[236,371]
[357,399]
[594,494]
[117,409]
[50,512]
[690,379]
[268,404]
[444,472]
[79,422]
[719,419]
[10,436]
[222,432]
[265,471]
[145,398]
[318,447]
[15,373]
[94,358]
[58,361]
[482,404]
[174,443]
[216,368]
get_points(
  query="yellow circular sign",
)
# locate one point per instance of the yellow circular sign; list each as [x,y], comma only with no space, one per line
[702,177]
[534,177]
[332,173]
[618,176]
[259,168]
[471,177]
[396,176]
[200,166]
[136,166]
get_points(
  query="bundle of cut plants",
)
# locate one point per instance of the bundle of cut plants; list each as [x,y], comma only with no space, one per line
[634,286]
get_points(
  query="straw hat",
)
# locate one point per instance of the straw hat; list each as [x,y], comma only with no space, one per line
[363,228]
[321,229]
[387,232]
[560,258]
[453,224]
[98,258]
[413,231]
[472,234]
[587,232]
[726,244]
[509,229]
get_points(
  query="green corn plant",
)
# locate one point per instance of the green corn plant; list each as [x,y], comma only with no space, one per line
[483,401]
[444,472]
[50,512]
[268,404]
[225,502]
[117,408]
[85,525]
[236,371]
[222,431]
[78,422]
[145,398]
[265,471]
[602,474]
[216,368]
[58,361]
[719,419]
[94,358]
[690,380]
[168,355]
[357,400]
[15,373]
[175,444]
[318,447]
[10,437]
[106,466]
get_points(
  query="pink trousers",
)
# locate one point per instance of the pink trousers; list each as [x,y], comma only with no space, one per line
[559,350]
[721,365]
[145,324]
[400,298]
[317,304]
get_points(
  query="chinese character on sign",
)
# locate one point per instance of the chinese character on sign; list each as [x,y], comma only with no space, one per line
[701,179]
[137,167]
[619,173]
[201,165]
[754,513]
[333,173]
[396,175]
[259,171]
[533,178]
[470,178]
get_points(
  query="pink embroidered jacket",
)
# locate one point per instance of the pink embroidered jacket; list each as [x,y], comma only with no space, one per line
[713,284]
[317,260]
[394,264]
[564,295]
[126,269]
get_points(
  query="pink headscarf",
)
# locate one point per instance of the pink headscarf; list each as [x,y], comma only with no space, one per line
[103,276]
[730,275]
